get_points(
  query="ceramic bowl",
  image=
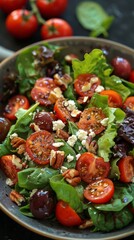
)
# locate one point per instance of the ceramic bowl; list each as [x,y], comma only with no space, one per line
[49,228]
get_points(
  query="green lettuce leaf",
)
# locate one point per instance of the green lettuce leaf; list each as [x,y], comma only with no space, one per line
[94,62]
[106,141]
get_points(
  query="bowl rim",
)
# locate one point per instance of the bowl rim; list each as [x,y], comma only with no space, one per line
[13,56]
[73,38]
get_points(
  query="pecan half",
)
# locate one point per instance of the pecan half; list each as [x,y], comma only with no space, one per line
[19,144]
[86,224]
[62,134]
[72,177]
[56,159]
[16,197]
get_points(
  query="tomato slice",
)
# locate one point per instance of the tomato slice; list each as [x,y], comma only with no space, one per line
[67,215]
[91,120]
[126,168]
[91,167]
[62,112]
[99,191]
[114,98]
[7,166]
[16,102]
[42,89]
[131,76]
[39,146]
[129,102]
[85,84]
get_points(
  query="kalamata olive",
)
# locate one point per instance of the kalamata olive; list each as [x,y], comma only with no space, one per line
[4,127]
[44,120]
[42,204]
[122,67]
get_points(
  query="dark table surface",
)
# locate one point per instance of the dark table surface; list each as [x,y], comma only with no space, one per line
[122,31]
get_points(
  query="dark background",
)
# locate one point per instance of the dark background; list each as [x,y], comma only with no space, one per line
[122,31]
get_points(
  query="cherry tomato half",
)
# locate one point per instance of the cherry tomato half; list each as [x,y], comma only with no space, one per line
[9,168]
[114,98]
[67,215]
[129,102]
[42,89]
[56,27]
[61,111]
[21,24]
[85,84]
[91,167]
[126,168]
[99,191]
[51,8]
[8,6]
[39,145]
[16,102]
[91,120]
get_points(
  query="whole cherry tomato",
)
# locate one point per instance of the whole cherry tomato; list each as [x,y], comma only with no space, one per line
[56,27]
[51,8]
[21,24]
[8,6]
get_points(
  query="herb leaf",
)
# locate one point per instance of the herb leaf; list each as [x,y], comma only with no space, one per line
[93,17]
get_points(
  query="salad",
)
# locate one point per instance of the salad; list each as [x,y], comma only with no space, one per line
[67,139]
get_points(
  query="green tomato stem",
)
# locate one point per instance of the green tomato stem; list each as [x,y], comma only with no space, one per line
[36,12]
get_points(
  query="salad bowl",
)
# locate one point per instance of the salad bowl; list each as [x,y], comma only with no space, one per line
[51,228]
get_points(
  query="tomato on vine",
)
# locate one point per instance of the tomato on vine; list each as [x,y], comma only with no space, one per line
[56,27]
[8,6]
[21,24]
[51,8]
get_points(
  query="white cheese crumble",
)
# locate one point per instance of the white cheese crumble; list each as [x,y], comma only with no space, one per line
[91,133]
[72,140]
[17,162]
[104,122]
[99,89]
[77,156]
[63,169]
[70,105]
[58,144]
[81,134]
[58,125]
[13,135]
[70,158]
[9,182]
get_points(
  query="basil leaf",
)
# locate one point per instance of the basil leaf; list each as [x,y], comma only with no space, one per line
[93,17]
[66,192]
[32,178]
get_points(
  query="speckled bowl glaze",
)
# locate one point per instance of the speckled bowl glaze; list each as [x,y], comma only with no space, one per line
[49,228]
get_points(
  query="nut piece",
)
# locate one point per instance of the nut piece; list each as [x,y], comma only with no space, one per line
[19,144]
[62,134]
[16,197]
[86,224]
[72,177]
[56,159]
